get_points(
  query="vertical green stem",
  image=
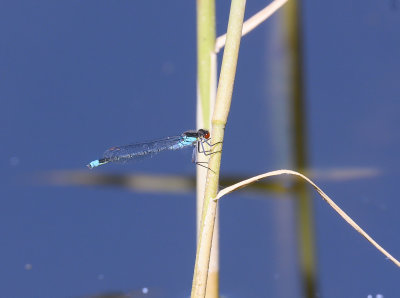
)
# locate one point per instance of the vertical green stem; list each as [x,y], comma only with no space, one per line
[206,87]
[205,46]
[220,116]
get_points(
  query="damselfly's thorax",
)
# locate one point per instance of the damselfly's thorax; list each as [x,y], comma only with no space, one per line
[200,134]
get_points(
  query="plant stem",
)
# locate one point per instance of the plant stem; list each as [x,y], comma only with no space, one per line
[220,116]
[206,88]
[205,46]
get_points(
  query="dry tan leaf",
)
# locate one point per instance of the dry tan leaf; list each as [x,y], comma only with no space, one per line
[343,214]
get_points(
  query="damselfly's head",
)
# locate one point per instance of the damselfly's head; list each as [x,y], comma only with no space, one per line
[202,133]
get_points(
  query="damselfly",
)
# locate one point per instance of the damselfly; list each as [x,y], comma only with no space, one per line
[138,151]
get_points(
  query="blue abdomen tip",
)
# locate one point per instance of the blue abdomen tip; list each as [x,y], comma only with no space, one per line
[93,164]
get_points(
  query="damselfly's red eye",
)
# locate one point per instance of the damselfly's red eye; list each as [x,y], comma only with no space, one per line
[207,135]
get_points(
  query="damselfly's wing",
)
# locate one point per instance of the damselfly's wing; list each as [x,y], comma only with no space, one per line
[144,150]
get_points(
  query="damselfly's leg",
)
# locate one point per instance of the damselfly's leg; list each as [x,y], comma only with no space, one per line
[204,151]
[199,163]
[195,153]
[211,145]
